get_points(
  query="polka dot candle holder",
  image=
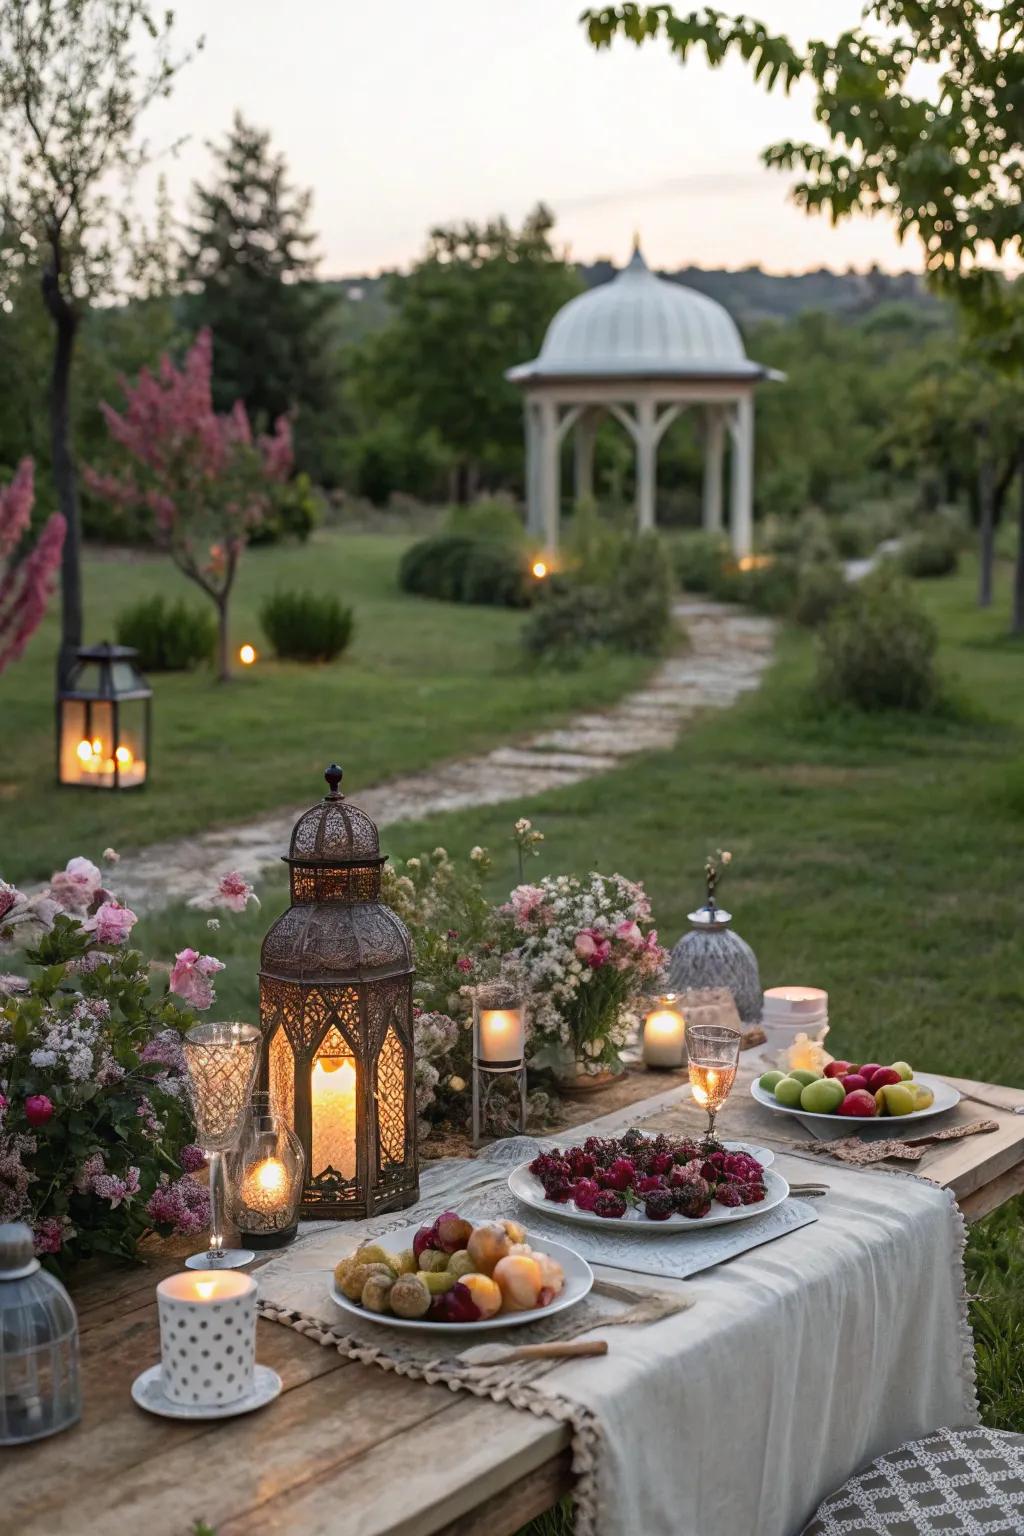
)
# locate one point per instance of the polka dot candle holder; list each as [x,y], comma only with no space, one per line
[207,1336]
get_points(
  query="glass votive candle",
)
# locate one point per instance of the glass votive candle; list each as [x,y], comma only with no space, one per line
[501,1037]
[207,1336]
[664,1039]
[265,1177]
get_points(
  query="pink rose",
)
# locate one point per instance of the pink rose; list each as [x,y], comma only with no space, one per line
[38,1109]
[235,892]
[629,933]
[111,923]
[593,947]
[585,945]
[9,894]
[190,977]
[75,886]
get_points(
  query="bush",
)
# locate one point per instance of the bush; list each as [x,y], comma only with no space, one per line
[293,513]
[806,538]
[169,637]
[390,458]
[494,521]
[698,559]
[819,591]
[768,586]
[877,651]
[459,569]
[306,626]
[631,612]
[930,552]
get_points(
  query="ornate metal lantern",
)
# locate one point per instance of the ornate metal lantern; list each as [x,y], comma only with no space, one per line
[103,719]
[336,1012]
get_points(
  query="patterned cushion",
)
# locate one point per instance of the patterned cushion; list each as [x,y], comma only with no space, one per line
[957,1482]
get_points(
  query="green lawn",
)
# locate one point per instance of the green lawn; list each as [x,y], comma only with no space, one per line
[422,681]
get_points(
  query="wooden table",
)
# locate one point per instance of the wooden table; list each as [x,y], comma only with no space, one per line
[348,1450]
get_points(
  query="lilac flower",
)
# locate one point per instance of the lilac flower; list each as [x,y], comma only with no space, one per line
[184,1206]
[48,1235]
[192,1158]
[164,1050]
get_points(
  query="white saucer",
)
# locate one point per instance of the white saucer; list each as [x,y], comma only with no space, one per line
[147,1391]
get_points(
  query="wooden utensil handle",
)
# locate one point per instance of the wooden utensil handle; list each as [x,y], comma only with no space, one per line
[557,1351]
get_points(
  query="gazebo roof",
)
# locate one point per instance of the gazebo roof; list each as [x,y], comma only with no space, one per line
[640,326]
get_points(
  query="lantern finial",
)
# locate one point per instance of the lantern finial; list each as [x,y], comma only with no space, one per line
[333,775]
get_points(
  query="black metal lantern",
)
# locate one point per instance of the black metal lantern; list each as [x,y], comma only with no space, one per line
[103,721]
[336,975]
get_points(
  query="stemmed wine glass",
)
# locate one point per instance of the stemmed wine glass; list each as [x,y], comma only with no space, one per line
[714,1053]
[220,1062]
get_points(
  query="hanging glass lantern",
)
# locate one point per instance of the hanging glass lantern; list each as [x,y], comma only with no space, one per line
[103,721]
[336,1012]
[39,1386]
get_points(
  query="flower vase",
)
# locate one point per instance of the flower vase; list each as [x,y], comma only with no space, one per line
[575,1078]
[712,955]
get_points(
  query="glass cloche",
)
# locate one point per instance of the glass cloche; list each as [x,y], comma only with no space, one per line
[39,1384]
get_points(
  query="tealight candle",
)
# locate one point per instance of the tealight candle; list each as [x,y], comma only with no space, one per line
[207,1336]
[502,1036]
[664,1034]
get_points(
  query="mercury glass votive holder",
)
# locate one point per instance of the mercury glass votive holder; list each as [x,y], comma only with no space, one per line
[265,1175]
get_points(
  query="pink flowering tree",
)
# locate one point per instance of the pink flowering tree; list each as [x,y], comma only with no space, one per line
[27,576]
[202,476]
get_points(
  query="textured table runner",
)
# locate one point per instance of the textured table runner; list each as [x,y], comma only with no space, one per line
[800,1361]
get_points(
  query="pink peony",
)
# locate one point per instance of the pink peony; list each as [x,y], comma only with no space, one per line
[190,977]
[235,892]
[592,947]
[111,923]
[76,886]
[38,1109]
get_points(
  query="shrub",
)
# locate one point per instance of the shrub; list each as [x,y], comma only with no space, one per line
[929,552]
[390,458]
[698,559]
[877,651]
[631,612]
[768,588]
[169,637]
[293,513]
[459,569]
[819,591]
[805,538]
[493,520]
[306,626]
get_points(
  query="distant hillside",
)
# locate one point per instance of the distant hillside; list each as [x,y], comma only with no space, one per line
[751,296]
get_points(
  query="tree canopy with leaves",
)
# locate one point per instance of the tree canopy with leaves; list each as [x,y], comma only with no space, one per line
[72,91]
[478,301]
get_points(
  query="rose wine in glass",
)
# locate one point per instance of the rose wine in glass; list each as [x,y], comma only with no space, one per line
[714,1053]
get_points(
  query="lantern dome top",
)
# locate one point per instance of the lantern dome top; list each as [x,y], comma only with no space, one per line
[640,325]
[334,831]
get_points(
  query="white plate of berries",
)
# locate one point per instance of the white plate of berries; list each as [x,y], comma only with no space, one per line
[652,1182]
[459,1276]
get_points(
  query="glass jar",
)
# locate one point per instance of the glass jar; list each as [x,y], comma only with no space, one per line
[713,955]
[265,1174]
[40,1391]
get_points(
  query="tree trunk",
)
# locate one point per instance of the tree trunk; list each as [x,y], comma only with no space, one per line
[1017,622]
[986,531]
[223,641]
[65,478]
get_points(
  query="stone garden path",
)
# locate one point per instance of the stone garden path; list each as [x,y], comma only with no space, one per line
[729,649]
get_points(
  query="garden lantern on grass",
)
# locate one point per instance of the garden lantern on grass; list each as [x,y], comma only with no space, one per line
[336,1013]
[103,721]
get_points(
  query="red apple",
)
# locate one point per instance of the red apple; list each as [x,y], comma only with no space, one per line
[860,1104]
[883,1078]
[869,1069]
[839,1068]
[853,1081]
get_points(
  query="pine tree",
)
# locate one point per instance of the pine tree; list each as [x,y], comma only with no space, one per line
[250,263]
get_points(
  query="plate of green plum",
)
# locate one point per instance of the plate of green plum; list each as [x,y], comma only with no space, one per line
[852,1096]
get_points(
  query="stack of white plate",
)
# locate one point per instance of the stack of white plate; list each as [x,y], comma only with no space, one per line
[791,1011]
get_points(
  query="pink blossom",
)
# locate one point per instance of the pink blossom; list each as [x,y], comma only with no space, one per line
[526,901]
[48,1235]
[76,886]
[192,1158]
[629,933]
[38,1109]
[235,892]
[190,977]
[592,947]
[89,1172]
[183,1206]
[111,923]
[107,1186]
[9,894]
[164,1050]
[111,856]
[25,584]
[464,963]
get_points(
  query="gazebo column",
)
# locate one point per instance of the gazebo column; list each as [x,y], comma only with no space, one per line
[741,513]
[533,522]
[714,450]
[584,438]
[646,463]
[548,477]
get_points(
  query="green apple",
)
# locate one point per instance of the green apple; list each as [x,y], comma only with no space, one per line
[904,1069]
[802,1075]
[895,1099]
[788,1091]
[822,1097]
[767,1080]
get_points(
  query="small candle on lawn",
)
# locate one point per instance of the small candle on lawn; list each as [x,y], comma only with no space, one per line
[502,1036]
[207,1335]
[664,1034]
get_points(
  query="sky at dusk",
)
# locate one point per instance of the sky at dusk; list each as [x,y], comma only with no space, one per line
[405,114]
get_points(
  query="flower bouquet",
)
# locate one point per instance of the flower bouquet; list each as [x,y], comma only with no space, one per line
[586,949]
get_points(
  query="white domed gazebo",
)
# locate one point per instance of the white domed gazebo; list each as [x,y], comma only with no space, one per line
[642,349]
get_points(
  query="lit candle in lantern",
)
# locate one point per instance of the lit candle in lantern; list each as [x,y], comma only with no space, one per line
[334,1116]
[265,1185]
[502,1036]
[207,1336]
[664,1034]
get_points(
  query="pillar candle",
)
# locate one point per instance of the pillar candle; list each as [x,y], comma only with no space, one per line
[664,1035]
[207,1336]
[502,1037]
